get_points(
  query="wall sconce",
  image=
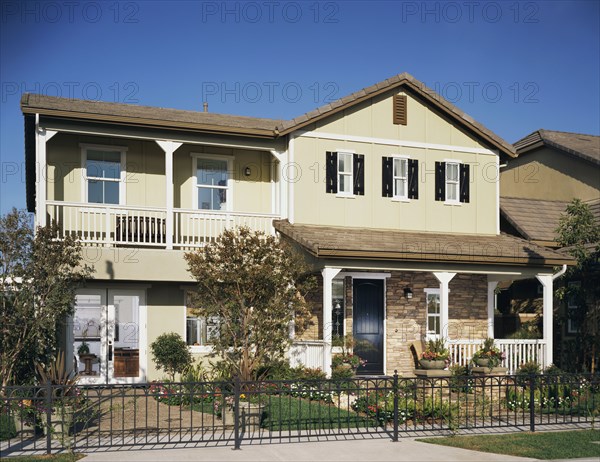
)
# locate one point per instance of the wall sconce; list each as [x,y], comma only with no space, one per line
[247,171]
[408,292]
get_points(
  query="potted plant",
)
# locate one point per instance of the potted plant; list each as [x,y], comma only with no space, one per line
[435,356]
[488,355]
[346,363]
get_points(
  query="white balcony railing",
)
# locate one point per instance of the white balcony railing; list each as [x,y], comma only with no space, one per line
[307,353]
[517,351]
[101,224]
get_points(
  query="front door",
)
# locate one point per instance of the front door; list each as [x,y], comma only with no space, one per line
[368,324]
[112,325]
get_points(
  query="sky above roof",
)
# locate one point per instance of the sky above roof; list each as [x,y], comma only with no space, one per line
[514,66]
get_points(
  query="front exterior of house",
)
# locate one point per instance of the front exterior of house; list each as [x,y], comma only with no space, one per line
[391,191]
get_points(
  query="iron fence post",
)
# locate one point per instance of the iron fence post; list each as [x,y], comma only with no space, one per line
[532,403]
[236,413]
[48,417]
[395,438]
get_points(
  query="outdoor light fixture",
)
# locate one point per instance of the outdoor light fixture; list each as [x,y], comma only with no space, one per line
[247,171]
[408,292]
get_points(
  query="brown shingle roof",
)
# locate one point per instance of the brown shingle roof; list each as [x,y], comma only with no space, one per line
[534,219]
[577,144]
[384,244]
[175,118]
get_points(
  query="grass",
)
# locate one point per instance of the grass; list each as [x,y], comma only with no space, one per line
[288,413]
[543,445]
[53,458]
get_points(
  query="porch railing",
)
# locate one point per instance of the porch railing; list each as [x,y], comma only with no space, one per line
[308,354]
[101,224]
[517,351]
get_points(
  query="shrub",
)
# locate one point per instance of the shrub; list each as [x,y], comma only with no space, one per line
[461,379]
[170,352]
[525,370]
[7,427]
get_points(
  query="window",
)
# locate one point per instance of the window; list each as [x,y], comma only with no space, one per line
[452,182]
[345,173]
[433,312]
[573,326]
[103,174]
[400,177]
[200,331]
[212,183]
[337,313]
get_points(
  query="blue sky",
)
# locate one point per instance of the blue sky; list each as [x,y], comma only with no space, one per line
[513,66]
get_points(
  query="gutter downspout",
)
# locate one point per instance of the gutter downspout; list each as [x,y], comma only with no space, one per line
[559,273]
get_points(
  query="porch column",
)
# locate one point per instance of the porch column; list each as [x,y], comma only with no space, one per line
[280,194]
[42,136]
[169,147]
[444,279]
[491,298]
[547,283]
[328,275]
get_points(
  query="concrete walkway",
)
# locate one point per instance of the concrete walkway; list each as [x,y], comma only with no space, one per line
[367,450]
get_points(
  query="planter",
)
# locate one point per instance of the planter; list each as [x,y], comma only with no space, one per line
[481,362]
[26,426]
[433,363]
[250,415]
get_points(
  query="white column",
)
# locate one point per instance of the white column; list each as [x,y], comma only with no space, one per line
[491,299]
[444,279]
[328,275]
[169,147]
[290,178]
[547,283]
[42,136]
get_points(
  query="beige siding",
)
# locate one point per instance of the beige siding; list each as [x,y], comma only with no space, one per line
[550,175]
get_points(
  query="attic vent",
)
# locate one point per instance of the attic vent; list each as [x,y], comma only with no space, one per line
[400,109]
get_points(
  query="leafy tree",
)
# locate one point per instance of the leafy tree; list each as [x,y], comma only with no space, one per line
[38,278]
[171,353]
[579,235]
[253,286]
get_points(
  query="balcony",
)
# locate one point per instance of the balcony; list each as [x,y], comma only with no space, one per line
[115,225]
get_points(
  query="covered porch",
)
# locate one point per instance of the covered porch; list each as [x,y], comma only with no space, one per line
[432,286]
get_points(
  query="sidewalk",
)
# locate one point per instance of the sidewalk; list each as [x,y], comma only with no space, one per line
[353,450]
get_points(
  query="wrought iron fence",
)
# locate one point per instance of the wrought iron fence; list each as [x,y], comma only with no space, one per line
[52,418]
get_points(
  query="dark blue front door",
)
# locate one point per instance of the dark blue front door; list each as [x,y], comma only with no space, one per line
[368,324]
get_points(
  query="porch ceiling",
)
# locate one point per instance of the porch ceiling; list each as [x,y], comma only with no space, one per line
[384,244]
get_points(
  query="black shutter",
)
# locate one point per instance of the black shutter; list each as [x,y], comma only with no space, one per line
[465,182]
[387,178]
[331,172]
[440,181]
[413,179]
[359,174]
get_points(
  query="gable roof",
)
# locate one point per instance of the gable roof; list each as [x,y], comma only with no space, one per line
[393,245]
[586,147]
[537,220]
[252,126]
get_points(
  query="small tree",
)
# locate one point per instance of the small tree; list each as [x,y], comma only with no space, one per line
[579,234]
[38,279]
[253,287]
[171,353]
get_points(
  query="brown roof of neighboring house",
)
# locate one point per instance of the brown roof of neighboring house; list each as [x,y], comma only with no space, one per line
[537,219]
[586,147]
[389,244]
[239,125]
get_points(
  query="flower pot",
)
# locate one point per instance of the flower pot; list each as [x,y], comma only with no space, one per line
[433,364]
[482,362]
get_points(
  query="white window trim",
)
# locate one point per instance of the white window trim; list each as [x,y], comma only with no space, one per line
[428,335]
[395,197]
[122,180]
[193,348]
[351,174]
[230,180]
[458,164]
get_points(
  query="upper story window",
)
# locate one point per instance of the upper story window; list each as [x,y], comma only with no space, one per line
[104,174]
[345,173]
[213,182]
[400,178]
[452,182]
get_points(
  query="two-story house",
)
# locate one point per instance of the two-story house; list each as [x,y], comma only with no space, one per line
[551,170]
[392,191]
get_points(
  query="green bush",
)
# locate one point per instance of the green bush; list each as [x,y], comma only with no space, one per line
[341,373]
[171,353]
[461,380]
[7,427]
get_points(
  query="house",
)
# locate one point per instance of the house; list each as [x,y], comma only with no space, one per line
[392,191]
[551,170]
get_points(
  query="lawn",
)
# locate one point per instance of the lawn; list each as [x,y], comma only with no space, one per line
[542,445]
[53,458]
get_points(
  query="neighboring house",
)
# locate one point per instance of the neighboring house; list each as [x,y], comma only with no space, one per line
[391,190]
[552,169]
